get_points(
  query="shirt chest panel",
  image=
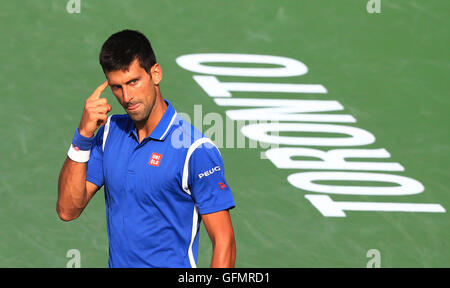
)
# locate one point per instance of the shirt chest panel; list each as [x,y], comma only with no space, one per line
[149,173]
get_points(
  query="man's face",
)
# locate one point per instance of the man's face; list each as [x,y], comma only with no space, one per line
[135,89]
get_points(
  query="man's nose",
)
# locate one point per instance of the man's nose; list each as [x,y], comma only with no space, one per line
[126,96]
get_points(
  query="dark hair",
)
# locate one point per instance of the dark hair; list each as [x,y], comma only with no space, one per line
[123,47]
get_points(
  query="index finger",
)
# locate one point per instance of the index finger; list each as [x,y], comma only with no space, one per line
[98,92]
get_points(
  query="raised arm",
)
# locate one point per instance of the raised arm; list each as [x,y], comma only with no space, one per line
[74,192]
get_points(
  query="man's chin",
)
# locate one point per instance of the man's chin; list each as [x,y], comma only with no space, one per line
[140,114]
[134,117]
[137,117]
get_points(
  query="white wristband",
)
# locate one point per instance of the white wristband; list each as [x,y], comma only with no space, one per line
[78,155]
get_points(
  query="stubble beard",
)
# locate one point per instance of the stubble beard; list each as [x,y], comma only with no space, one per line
[142,117]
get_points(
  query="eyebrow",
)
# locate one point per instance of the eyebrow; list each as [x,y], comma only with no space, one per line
[134,79]
[126,83]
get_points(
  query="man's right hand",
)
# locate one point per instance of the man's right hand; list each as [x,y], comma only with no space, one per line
[95,112]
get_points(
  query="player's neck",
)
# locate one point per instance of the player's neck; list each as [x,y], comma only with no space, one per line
[144,129]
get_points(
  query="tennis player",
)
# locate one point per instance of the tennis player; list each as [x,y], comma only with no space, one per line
[161,176]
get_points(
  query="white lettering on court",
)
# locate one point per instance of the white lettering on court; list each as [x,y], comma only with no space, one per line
[298,119]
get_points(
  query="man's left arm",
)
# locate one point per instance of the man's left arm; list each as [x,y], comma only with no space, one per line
[214,199]
[220,231]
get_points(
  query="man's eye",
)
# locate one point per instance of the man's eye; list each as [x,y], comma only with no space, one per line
[133,82]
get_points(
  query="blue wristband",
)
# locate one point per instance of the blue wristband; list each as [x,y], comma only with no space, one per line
[81,142]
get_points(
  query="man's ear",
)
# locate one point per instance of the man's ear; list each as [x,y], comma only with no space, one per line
[156,73]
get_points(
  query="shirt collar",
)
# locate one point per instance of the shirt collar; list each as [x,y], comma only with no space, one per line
[162,129]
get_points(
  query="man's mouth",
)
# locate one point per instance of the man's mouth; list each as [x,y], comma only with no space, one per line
[133,107]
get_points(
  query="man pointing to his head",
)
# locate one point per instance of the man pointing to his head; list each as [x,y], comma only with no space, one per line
[155,198]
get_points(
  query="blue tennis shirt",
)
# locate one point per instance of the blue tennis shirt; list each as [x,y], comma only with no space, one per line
[156,190]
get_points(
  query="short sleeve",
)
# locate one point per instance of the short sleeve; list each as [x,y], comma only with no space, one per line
[94,172]
[207,183]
